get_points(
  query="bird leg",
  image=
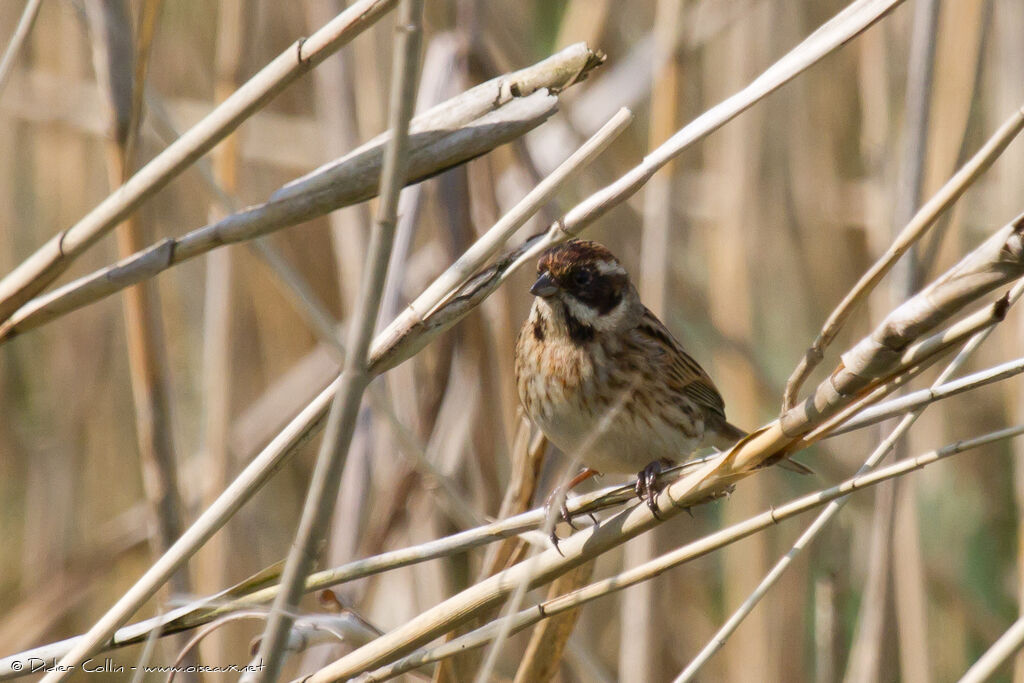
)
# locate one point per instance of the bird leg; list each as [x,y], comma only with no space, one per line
[561,494]
[647,484]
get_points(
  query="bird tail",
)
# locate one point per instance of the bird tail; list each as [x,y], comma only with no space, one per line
[724,436]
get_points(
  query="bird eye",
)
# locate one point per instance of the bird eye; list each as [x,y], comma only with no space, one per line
[581,276]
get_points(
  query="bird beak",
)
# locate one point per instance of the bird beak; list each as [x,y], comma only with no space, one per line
[544,286]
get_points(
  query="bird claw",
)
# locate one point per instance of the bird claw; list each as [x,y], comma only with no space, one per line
[563,510]
[554,541]
[647,486]
[563,514]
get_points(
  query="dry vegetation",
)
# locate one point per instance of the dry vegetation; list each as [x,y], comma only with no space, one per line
[165,393]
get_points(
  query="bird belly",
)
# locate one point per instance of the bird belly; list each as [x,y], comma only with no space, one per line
[616,441]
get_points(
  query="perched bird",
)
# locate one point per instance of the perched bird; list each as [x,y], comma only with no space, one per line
[604,379]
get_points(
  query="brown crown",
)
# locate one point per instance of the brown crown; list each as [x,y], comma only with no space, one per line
[561,259]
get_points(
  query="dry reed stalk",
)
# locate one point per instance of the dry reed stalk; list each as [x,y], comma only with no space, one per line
[826,617]
[355,376]
[583,21]
[904,546]
[690,551]
[54,257]
[213,567]
[870,635]
[334,91]
[1008,645]
[999,52]
[21,33]
[731,251]
[120,68]
[638,606]
[918,399]
[543,654]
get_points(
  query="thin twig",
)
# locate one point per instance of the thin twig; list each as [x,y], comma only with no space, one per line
[116,61]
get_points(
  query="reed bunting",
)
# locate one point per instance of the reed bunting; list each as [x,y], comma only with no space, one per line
[604,379]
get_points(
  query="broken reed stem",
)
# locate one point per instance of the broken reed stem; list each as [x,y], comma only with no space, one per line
[690,551]
[833,508]
[355,376]
[914,230]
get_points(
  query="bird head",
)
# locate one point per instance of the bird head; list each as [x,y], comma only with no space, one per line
[588,283]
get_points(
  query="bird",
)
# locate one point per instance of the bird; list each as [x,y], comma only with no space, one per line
[603,378]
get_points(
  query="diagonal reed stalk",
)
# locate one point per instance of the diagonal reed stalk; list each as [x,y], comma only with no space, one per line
[21,33]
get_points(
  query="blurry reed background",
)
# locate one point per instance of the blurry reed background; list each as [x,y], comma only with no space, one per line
[744,245]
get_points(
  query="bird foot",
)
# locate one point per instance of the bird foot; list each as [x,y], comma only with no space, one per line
[647,485]
[560,495]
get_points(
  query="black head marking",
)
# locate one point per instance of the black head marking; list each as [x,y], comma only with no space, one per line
[579,332]
[587,271]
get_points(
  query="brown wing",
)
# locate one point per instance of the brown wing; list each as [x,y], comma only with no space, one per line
[693,382]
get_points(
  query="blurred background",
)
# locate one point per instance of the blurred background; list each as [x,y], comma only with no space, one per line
[743,246]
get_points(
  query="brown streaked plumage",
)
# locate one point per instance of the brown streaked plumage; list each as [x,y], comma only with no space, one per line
[603,378]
